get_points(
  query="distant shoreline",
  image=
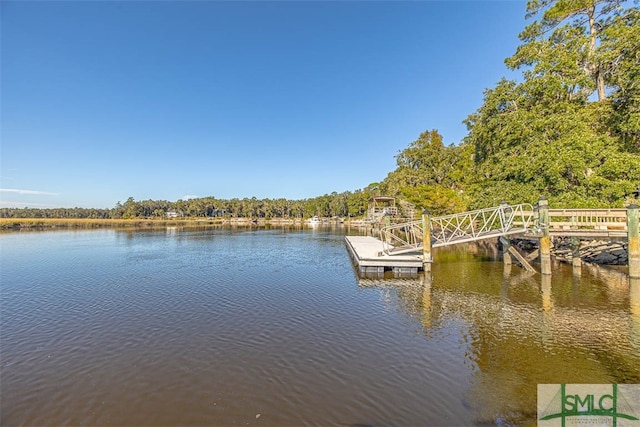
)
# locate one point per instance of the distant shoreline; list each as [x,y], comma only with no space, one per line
[87,223]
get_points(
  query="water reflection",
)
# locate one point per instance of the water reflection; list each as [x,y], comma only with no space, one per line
[634,297]
[528,330]
[121,328]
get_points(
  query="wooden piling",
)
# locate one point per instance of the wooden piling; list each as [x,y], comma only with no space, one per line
[506,243]
[426,242]
[576,261]
[633,241]
[511,251]
[545,240]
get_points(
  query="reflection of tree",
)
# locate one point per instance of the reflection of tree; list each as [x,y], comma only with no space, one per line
[525,330]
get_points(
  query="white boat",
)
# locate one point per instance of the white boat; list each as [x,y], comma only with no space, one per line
[315,220]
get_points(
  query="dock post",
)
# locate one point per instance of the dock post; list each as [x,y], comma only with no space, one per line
[633,241]
[575,255]
[506,245]
[545,240]
[426,241]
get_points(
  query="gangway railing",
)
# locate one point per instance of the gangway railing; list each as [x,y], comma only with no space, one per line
[481,224]
[458,228]
[402,238]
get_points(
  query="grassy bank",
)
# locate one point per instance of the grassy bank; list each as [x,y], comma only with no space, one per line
[19,223]
[73,223]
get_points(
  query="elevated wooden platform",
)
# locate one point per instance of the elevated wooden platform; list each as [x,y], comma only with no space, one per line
[367,252]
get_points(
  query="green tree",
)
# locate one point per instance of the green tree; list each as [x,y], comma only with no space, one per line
[436,198]
[621,49]
[563,44]
[543,136]
[428,174]
[131,209]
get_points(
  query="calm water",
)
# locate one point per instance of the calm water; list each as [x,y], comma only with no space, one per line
[273,327]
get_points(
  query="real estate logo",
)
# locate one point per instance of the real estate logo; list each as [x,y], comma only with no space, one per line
[616,405]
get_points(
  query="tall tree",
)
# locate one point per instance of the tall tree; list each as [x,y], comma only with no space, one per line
[543,136]
[621,49]
[563,43]
[427,176]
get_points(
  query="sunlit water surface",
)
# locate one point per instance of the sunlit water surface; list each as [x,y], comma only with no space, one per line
[273,327]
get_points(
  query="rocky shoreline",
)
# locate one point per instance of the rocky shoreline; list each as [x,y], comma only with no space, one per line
[606,252]
[603,252]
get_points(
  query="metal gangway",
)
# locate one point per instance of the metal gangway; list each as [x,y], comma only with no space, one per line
[472,226]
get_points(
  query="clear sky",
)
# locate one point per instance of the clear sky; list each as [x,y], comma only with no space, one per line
[168,100]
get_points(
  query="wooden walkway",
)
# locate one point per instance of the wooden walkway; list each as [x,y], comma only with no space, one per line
[402,247]
[367,252]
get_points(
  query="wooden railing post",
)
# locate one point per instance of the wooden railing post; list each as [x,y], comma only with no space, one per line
[633,246]
[545,240]
[426,241]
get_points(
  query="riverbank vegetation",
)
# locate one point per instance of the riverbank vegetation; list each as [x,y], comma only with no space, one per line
[568,130]
[91,223]
[346,204]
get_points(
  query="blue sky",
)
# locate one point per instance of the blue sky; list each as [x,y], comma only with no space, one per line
[101,101]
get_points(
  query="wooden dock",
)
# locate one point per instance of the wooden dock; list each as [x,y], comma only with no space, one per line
[368,254]
[401,247]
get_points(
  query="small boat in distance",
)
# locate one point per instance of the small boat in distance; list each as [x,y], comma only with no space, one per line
[314,220]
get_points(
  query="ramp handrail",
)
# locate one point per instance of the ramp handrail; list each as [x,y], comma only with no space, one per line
[459,228]
[401,237]
[481,224]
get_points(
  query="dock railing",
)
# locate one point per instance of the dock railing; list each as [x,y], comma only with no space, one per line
[481,224]
[503,220]
[402,237]
[588,222]
[539,223]
[463,227]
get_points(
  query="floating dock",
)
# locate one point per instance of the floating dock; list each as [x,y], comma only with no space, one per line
[367,252]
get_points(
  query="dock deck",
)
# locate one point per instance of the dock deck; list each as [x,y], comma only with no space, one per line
[367,252]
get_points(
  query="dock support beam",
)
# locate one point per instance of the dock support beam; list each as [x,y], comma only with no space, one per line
[426,242]
[545,240]
[634,241]
[510,250]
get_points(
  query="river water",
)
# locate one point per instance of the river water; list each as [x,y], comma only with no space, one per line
[273,327]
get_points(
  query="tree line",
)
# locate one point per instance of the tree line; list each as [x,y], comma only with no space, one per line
[568,130]
[345,204]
